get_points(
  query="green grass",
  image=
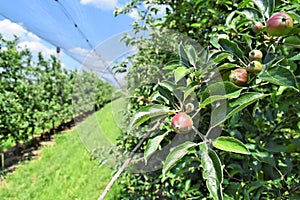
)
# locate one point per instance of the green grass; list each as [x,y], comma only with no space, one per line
[65,170]
[109,112]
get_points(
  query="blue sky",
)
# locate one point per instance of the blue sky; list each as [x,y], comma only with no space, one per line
[77,26]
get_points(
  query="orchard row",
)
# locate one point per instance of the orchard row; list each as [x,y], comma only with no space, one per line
[36,94]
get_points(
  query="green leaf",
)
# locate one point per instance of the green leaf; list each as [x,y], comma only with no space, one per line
[219,57]
[244,3]
[166,89]
[262,5]
[250,13]
[295,57]
[294,146]
[245,98]
[226,88]
[204,56]
[266,7]
[217,165]
[219,114]
[192,55]
[184,60]
[175,155]
[211,171]
[153,145]
[264,156]
[231,47]
[211,99]
[294,15]
[168,85]
[179,73]
[294,31]
[172,66]
[147,113]
[229,19]
[295,40]
[214,41]
[156,96]
[226,66]
[271,7]
[271,146]
[189,91]
[279,76]
[230,144]
[187,185]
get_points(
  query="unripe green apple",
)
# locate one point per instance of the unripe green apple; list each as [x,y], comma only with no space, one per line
[255,55]
[254,67]
[239,76]
[279,24]
[182,123]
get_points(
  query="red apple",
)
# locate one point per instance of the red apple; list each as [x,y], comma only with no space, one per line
[182,123]
[239,76]
[279,24]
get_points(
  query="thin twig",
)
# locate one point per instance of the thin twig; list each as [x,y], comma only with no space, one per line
[203,137]
[126,163]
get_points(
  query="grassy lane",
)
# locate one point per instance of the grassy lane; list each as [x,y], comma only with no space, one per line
[64,170]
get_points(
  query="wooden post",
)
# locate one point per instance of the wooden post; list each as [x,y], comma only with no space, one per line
[2,161]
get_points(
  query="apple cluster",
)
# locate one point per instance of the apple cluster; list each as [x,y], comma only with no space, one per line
[279,24]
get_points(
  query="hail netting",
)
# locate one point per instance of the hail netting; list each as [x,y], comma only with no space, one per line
[82,32]
[77,29]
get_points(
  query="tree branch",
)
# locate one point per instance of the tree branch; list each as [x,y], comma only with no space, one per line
[126,163]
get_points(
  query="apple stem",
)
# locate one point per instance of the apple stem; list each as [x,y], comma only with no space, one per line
[242,62]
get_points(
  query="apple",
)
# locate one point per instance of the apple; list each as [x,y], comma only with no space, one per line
[255,55]
[182,123]
[239,76]
[254,67]
[279,24]
[257,26]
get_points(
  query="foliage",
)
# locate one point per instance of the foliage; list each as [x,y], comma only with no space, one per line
[246,139]
[36,93]
[69,173]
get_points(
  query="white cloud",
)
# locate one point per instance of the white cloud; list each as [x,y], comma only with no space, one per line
[26,39]
[32,36]
[101,4]
[37,46]
[134,14]
[9,29]
[161,10]
[90,59]
[80,51]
